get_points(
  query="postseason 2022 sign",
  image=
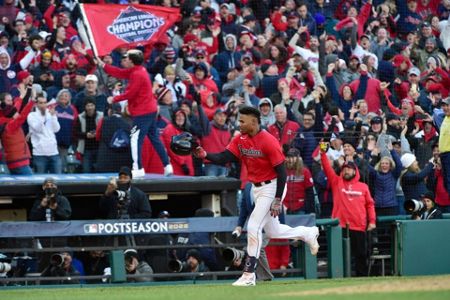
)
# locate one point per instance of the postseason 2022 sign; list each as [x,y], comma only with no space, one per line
[130,226]
[112,26]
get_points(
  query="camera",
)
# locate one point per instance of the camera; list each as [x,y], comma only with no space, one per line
[57,260]
[231,255]
[122,195]
[50,191]
[412,206]
[175,266]
[5,267]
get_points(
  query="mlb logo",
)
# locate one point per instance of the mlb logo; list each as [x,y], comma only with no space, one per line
[90,228]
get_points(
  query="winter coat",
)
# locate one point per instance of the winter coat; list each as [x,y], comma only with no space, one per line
[384,184]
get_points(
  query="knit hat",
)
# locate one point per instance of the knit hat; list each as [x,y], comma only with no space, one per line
[161,92]
[202,67]
[169,52]
[23,75]
[193,253]
[428,195]
[407,160]
[49,180]
[265,65]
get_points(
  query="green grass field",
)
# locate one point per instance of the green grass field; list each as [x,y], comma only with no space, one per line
[385,288]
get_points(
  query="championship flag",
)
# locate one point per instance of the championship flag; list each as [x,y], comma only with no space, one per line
[111,26]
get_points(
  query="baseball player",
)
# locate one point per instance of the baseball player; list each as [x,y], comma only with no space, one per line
[264,159]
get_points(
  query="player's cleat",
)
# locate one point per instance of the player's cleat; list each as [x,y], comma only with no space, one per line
[247,279]
[311,240]
[168,170]
[137,173]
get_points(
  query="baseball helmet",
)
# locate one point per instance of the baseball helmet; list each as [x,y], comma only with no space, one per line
[183,143]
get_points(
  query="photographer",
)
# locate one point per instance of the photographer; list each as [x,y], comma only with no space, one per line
[50,204]
[124,201]
[192,264]
[135,267]
[428,210]
[61,266]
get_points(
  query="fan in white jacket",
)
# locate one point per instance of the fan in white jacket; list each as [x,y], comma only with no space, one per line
[43,123]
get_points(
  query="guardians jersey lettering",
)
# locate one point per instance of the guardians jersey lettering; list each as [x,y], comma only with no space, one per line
[260,153]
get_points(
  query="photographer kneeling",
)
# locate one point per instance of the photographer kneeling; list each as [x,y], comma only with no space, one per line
[122,200]
[50,204]
[61,265]
[425,209]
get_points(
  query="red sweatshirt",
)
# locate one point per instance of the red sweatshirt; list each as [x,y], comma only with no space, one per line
[286,134]
[352,202]
[139,94]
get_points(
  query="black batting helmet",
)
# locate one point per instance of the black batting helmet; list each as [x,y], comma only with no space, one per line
[183,143]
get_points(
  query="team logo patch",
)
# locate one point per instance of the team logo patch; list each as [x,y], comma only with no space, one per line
[133,25]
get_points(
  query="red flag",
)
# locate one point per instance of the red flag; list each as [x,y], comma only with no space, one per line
[112,26]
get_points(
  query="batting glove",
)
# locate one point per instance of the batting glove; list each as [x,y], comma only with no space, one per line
[275,207]
[199,152]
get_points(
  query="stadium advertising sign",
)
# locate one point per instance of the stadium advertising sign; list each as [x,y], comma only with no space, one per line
[134,227]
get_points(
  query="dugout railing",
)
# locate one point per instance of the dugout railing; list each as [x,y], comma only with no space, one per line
[21,237]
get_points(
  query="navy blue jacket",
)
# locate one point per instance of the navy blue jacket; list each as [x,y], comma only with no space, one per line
[413,184]
[384,183]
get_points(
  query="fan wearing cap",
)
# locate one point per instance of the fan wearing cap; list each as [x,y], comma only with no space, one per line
[85,133]
[166,58]
[429,211]
[201,56]
[91,89]
[24,79]
[353,206]
[142,107]
[135,266]
[214,138]
[43,73]
[50,198]
[182,165]
[136,206]
[247,42]
[412,179]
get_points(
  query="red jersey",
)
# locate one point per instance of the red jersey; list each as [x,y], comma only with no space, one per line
[260,154]
[296,187]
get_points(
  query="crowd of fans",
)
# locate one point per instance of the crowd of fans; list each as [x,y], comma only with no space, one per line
[370,78]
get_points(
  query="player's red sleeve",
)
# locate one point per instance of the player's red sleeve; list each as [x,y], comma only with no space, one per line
[233,147]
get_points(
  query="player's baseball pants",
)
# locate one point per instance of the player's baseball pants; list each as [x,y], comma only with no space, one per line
[261,219]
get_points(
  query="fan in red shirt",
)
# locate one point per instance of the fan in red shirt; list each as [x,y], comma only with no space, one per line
[261,154]
[142,107]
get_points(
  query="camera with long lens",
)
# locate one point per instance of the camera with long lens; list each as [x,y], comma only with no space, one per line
[176,266]
[57,260]
[412,206]
[232,255]
[121,195]
[5,267]
[50,192]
